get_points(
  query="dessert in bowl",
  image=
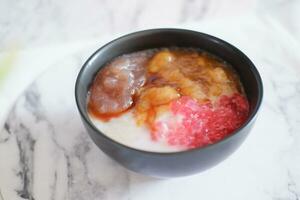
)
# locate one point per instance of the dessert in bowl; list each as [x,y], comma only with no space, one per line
[168,102]
[169,99]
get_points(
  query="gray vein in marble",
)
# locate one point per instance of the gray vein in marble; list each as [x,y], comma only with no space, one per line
[26,143]
[26,147]
[1,197]
[6,127]
[191,10]
[286,99]
[281,106]
[110,16]
[81,149]
[292,194]
[5,137]
[292,187]
[137,13]
[34,106]
[287,105]
[80,183]
[53,188]
[32,99]
[69,172]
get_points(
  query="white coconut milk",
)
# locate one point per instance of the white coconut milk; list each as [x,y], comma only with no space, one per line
[124,130]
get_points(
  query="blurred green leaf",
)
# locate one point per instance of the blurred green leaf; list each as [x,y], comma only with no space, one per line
[6,64]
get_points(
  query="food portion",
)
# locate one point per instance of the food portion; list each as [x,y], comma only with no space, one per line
[167,99]
[113,88]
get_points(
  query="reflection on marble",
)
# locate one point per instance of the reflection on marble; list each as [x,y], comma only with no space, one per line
[46,154]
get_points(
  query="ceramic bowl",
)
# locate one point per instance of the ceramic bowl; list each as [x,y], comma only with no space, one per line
[176,163]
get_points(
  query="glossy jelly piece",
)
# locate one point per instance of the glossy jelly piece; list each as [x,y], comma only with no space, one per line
[115,85]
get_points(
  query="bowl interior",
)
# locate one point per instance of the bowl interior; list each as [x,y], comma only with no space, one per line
[158,38]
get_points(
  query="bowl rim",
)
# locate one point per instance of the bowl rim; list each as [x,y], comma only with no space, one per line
[250,119]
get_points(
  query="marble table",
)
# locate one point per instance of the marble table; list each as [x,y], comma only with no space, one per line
[36,22]
[45,152]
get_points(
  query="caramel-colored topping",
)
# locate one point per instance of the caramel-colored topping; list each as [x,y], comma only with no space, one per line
[195,74]
[148,82]
[153,101]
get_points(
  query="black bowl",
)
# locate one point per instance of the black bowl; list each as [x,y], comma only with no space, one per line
[177,163]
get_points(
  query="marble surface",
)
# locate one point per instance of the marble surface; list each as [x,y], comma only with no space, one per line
[34,23]
[46,154]
[42,32]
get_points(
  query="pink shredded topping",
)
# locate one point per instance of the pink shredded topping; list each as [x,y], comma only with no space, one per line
[196,125]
